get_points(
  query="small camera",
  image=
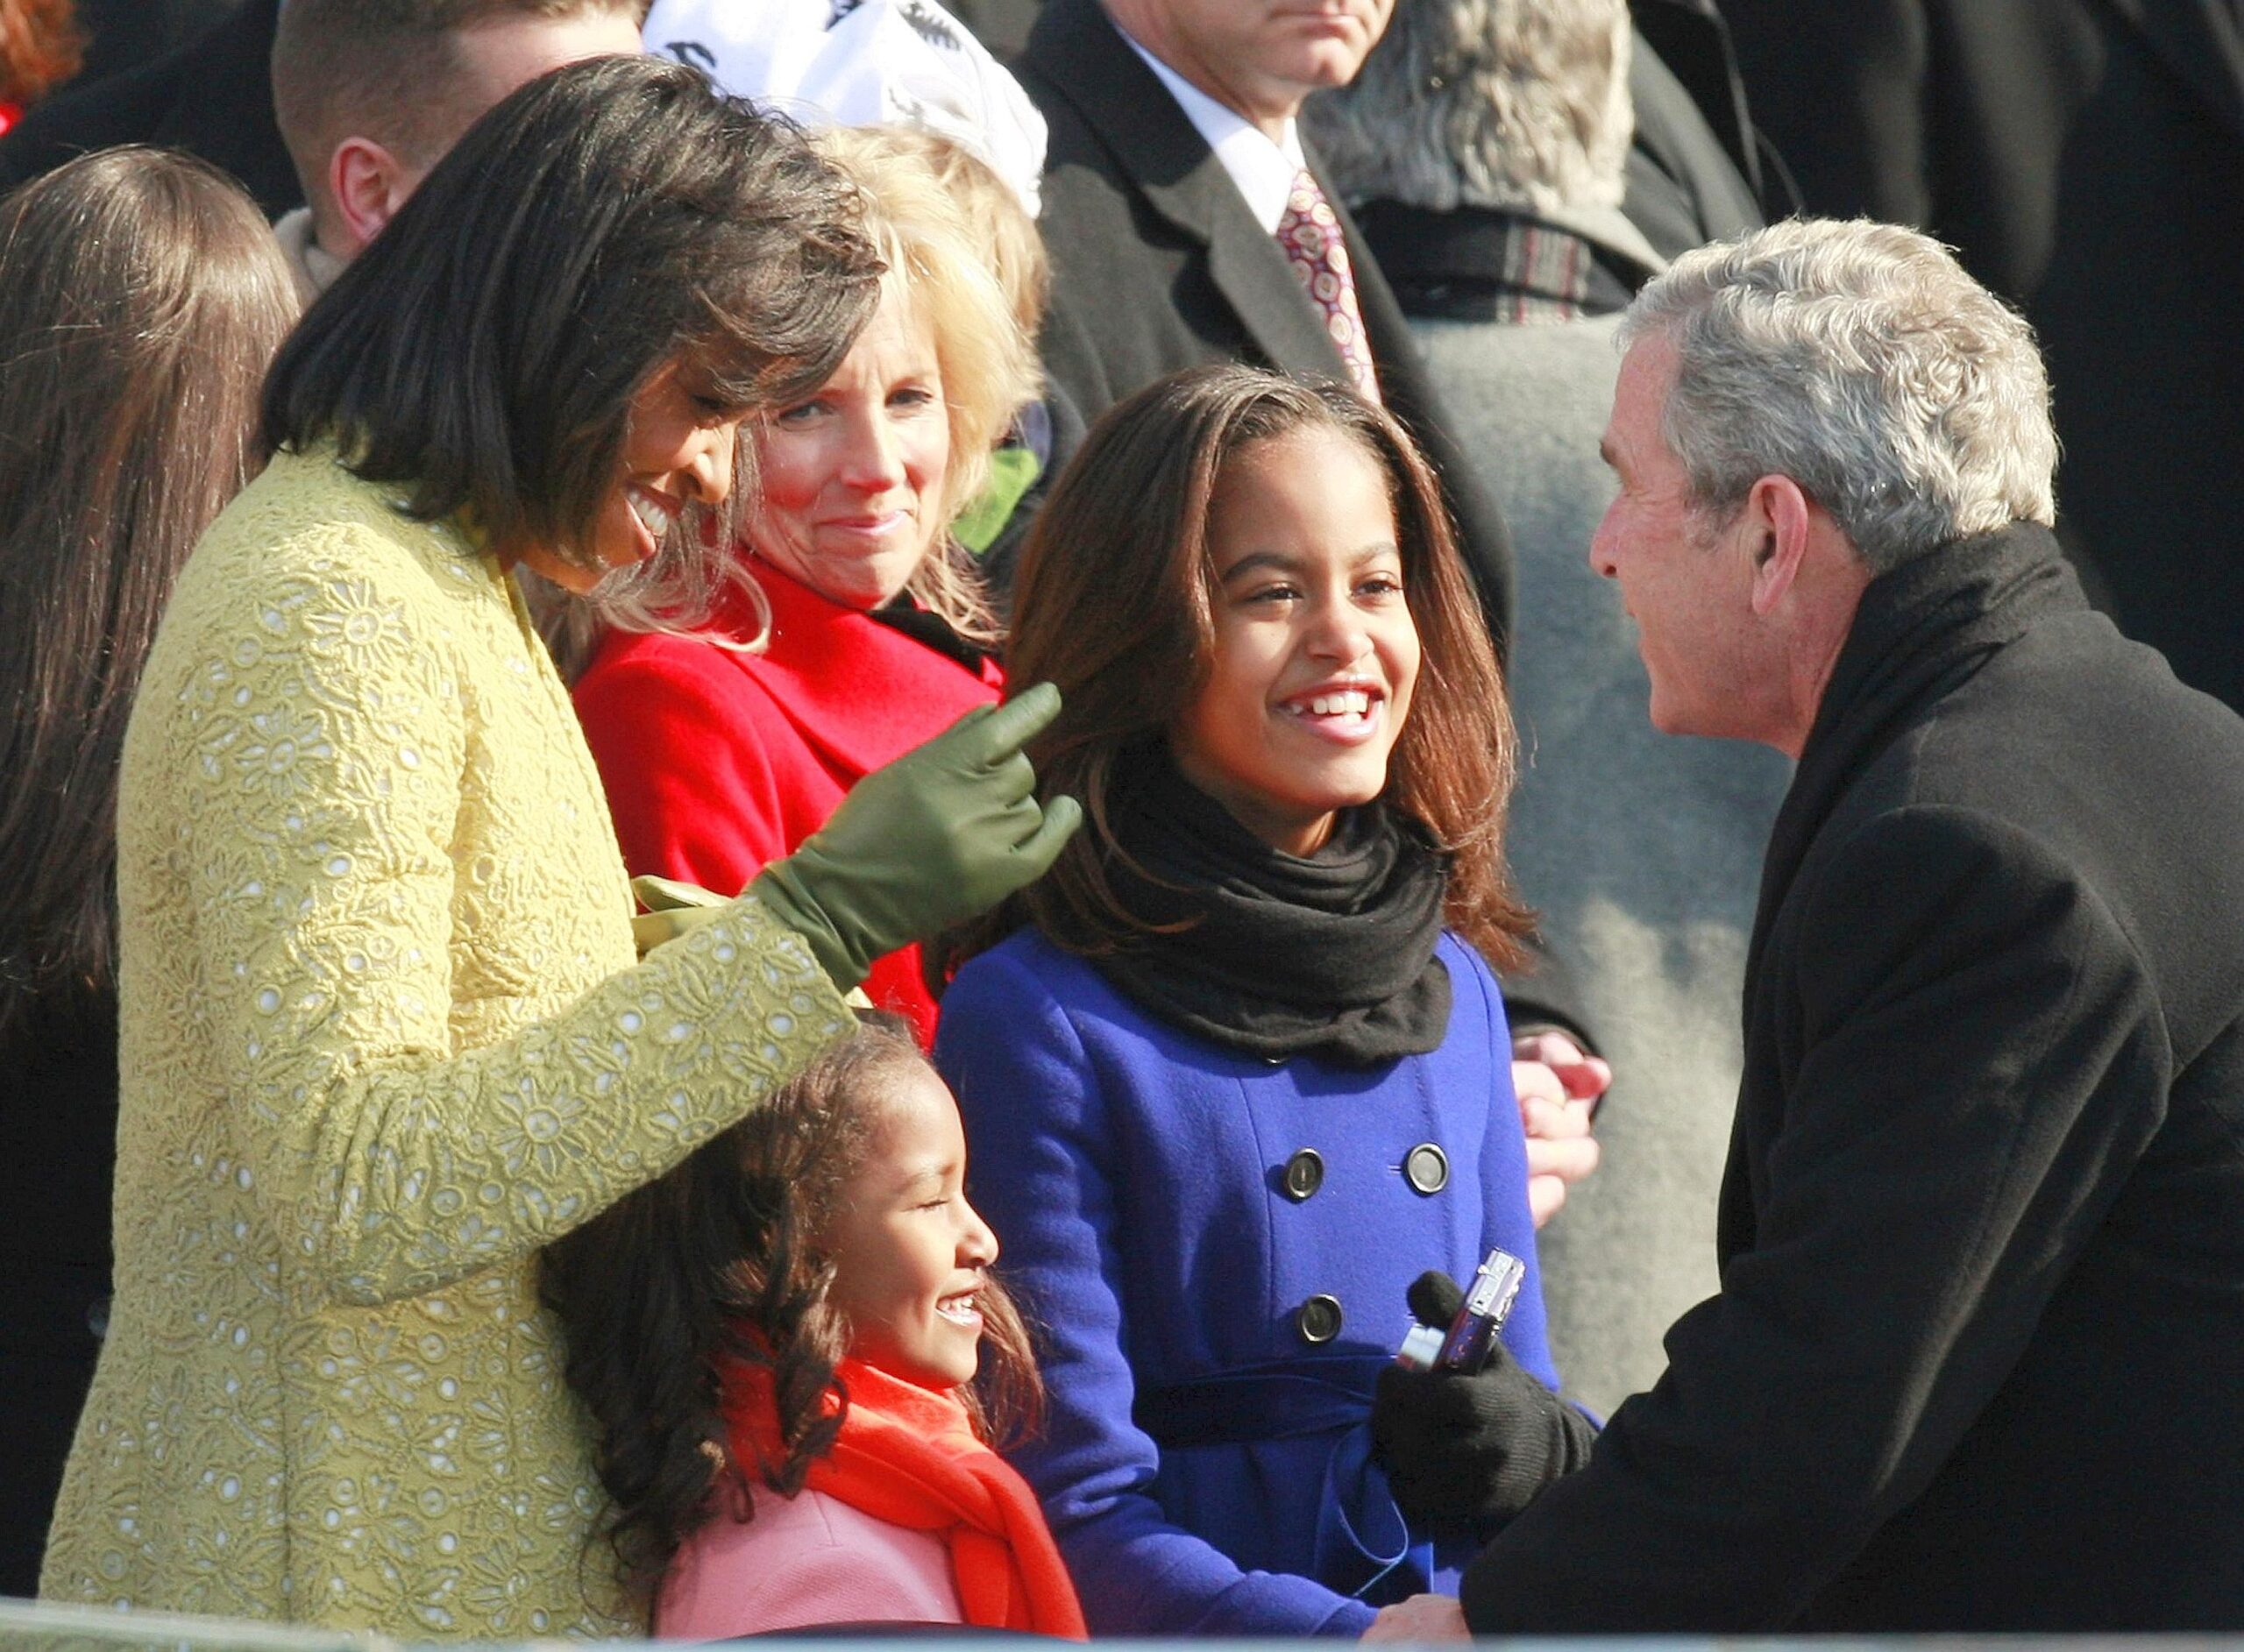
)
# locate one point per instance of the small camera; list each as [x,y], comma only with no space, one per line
[1472,1336]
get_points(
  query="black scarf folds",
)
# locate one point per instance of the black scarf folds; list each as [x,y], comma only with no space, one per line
[1332,955]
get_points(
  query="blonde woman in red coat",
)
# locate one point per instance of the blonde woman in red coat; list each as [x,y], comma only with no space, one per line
[857,628]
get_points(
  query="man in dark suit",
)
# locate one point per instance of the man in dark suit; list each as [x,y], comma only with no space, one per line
[1175,166]
[1974,1361]
[1161,261]
[2086,158]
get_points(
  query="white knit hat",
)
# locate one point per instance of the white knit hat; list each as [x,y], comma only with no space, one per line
[861,63]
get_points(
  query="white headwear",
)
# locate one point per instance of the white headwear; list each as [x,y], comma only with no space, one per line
[861,63]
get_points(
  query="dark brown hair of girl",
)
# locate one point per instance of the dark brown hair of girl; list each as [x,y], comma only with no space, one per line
[606,221]
[1113,605]
[141,297]
[720,1260]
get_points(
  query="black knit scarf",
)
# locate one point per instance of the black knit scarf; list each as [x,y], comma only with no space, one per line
[1332,954]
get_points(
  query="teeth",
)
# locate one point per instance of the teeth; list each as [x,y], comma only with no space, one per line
[960,1308]
[652,515]
[1353,702]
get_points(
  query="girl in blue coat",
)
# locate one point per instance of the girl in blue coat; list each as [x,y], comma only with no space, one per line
[1236,1072]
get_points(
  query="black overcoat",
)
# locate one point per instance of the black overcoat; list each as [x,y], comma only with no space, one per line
[1977,1359]
[1159,265]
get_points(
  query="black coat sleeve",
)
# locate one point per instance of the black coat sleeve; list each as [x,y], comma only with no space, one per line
[1964,1062]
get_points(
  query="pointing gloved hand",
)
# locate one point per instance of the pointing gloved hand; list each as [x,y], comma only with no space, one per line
[1472,1451]
[941,835]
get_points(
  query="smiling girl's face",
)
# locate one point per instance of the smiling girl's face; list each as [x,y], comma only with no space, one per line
[910,1255]
[1316,653]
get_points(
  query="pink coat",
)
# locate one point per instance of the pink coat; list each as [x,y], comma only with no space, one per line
[804,1561]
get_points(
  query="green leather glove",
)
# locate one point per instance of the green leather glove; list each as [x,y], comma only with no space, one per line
[941,835]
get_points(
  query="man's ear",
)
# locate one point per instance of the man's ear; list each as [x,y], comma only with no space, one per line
[1776,514]
[369,184]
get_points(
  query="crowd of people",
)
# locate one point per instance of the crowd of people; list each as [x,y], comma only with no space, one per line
[807,800]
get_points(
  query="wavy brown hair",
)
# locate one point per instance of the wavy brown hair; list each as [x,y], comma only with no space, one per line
[141,297]
[720,1260]
[1114,605]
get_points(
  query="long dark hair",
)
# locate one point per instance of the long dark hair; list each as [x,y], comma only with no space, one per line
[1113,603]
[720,1260]
[141,296]
[604,221]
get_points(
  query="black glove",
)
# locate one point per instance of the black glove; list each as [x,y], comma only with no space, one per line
[1471,1451]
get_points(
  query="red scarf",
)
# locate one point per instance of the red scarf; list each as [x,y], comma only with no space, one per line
[910,1456]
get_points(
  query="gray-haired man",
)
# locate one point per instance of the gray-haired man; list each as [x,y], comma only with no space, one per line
[1974,1361]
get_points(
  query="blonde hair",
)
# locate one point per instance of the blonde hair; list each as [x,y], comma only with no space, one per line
[933,233]
[942,259]
[994,214]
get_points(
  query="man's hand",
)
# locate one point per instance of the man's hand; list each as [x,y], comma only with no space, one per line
[1558,1087]
[1420,1617]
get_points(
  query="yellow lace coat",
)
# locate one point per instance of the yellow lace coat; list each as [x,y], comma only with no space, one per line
[382,1036]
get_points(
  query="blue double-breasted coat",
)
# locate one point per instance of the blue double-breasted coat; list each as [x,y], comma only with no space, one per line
[1216,1249]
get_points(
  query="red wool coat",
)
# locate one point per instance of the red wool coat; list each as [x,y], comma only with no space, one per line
[717,761]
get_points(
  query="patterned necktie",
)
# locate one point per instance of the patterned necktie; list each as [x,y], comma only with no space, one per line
[1311,236]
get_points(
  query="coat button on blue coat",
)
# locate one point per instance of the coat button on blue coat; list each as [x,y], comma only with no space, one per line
[1304,1174]
[1318,1319]
[1426,1168]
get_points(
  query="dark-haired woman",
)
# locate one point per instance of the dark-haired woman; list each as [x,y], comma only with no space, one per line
[1242,1074]
[141,298]
[382,1033]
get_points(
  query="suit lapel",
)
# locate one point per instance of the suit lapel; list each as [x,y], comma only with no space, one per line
[1086,60]
[2201,42]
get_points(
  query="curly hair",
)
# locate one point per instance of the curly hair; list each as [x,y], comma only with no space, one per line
[1485,103]
[1114,605]
[720,1261]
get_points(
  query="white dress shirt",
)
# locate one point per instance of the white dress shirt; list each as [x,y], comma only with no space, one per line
[1262,170]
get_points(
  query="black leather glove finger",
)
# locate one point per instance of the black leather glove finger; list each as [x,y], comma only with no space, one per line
[1472,1452]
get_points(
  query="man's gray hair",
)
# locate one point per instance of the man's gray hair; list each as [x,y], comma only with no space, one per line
[1485,103]
[1860,360]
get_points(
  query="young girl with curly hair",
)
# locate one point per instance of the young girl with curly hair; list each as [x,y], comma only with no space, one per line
[796,1359]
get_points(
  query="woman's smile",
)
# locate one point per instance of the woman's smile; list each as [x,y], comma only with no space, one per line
[854,475]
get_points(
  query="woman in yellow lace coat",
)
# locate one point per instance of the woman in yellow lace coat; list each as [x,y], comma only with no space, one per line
[382,1031]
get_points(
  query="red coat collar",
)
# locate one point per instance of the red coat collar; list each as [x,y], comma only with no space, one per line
[862,693]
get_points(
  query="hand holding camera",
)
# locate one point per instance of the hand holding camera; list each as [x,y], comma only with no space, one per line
[1470,1447]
